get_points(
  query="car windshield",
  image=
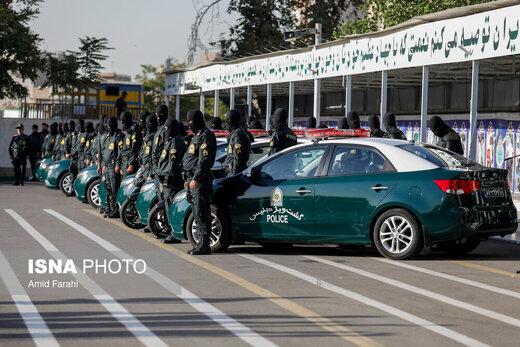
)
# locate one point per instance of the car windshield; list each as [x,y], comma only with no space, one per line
[438,156]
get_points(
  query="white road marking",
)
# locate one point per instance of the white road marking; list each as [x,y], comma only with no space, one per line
[476,284]
[233,326]
[424,292]
[132,324]
[448,333]
[40,332]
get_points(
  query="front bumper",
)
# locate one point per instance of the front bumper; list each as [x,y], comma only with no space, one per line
[41,171]
[177,214]
[83,180]
[145,201]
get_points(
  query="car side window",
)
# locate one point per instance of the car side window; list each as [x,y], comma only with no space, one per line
[357,160]
[293,165]
[257,153]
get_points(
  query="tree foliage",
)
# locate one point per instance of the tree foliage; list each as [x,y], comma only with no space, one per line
[20,56]
[381,14]
[153,80]
[89,57]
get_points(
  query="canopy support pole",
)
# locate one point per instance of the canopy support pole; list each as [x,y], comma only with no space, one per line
[269,105]
[291,104]
[473,108]
[424,103]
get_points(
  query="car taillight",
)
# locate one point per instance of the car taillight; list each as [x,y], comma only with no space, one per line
[458,187]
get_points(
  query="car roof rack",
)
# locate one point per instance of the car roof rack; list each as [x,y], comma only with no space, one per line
[323,134]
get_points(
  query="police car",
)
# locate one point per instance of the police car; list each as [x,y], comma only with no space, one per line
[346,188]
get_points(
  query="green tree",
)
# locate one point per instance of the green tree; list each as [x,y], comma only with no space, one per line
[153,80]
[258,28]
[20,56]
[90,56]
[381,14]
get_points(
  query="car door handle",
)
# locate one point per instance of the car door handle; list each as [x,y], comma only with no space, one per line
[379,187]
[303,191]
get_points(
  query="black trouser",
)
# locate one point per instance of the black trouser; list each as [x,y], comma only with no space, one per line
[167,188]
[33,159]
[19,170]
[200,203]
[112,182]
[74,168]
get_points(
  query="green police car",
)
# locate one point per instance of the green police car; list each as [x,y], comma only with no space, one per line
[86,186]
[41,171]
[394,194]
[60,177]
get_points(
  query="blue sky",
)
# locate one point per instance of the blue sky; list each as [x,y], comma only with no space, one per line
[140,31]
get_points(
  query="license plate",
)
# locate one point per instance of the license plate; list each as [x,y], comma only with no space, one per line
[494,192]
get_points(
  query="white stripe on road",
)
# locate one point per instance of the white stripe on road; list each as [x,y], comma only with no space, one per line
[453,335]
[40,332]
[132,324]
[452,278]
[233,326]
[424,292]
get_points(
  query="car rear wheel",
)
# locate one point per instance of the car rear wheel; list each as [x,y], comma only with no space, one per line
[220,237]
[397,235]
[66,185]
[158,222]
[93,194]
[129,215]
[459,247]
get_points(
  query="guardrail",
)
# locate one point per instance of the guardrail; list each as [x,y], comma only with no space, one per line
[48,111]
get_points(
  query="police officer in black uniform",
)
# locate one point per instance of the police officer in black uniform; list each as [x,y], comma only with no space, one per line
[50,141]
[392,131]
[60,147]
[90,143]
[375,127]
[111,165]
[35,146]
[132,142]
[353,120]
[169,166]
[448,138]
[282,136]
[197,164]
[158,140]
[343,123]
[71,148]
[142,122]
[311,122]
[18,151]
[239,145]
[145,156]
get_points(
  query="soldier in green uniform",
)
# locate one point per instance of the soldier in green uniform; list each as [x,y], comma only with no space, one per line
[197,164]
[80,146]
[145,156]
[71,148]
[132,142]
[158,140]
[282,136]
[60,147]
[50,141]
[142,122]
[90,143]
[18,151]
[169,166]
[111,165]
[239,145]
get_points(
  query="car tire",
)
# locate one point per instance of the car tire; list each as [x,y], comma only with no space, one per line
[93,194]
[158,222]
[397,235]
[129,215]
[276,246]
[66,184]
[459,247]
[220,232]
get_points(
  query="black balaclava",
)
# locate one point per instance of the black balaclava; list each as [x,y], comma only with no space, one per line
[183,129]
[438,126]
[72,126]
[126,119]
[112,125]
[373,123]
[81,125]
[89,127]
[151,124]
[280,117]
[171,127]
[216,123]
[353,120]
[100,128]
[142,119]
[311,122]
[196,120]
[389,120]
[54,128]
[343,123]
[162,114]
[65,128]
[233,118]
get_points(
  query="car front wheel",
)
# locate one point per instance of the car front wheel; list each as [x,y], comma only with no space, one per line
[397,235]
[93,194]
[129,215]
[66,184]
[158,222]
[220,237]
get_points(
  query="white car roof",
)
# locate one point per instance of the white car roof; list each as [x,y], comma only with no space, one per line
[402,160]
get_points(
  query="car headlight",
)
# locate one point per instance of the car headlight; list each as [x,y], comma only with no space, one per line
[180,196]
[43,165]
[53,166]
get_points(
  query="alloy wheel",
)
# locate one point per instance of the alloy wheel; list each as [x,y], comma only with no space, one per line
[94,195]
[396,234]
[216,230]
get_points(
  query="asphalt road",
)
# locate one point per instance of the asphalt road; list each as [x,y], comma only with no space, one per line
[309,296]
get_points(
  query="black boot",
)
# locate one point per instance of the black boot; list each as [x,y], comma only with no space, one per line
[200,251]
[146,230]
[170,239]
